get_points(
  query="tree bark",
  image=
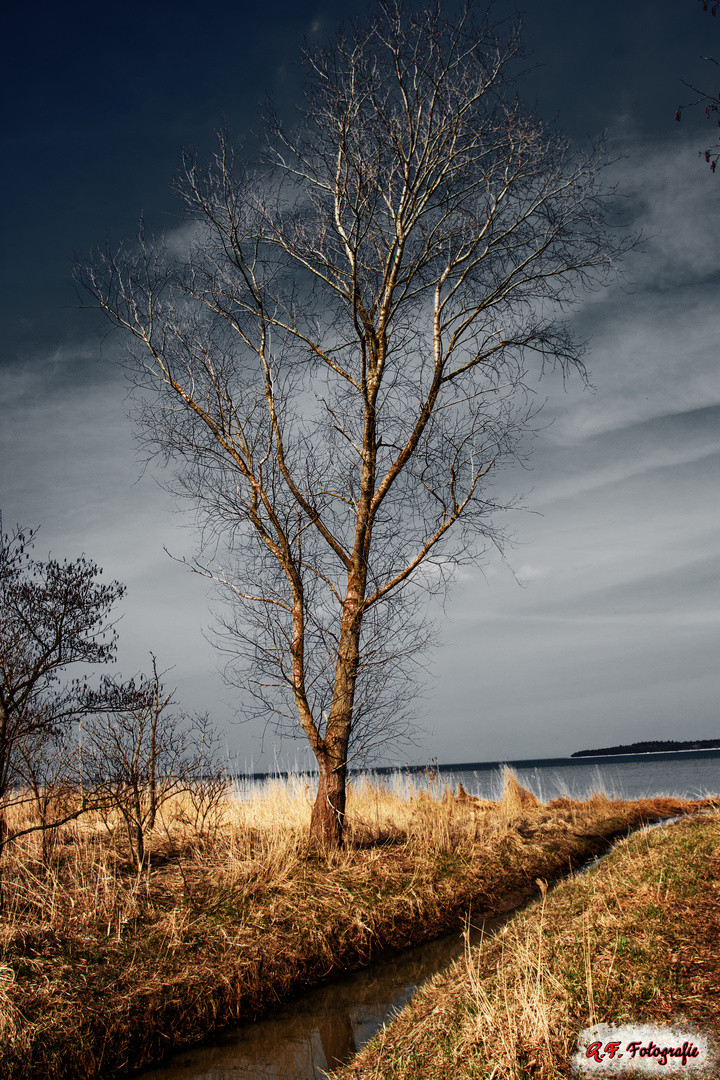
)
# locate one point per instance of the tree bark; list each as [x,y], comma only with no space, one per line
[327,822]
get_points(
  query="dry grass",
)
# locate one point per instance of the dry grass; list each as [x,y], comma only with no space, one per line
[101,968]
[636,941]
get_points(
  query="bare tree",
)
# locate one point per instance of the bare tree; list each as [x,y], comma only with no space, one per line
[206,796]
[334,355]
[52,615]
[137,753]
[45,770]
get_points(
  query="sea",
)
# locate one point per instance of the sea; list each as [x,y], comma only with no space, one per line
[685,774]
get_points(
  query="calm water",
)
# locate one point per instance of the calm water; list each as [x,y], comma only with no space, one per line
[305,1038]
[689,775]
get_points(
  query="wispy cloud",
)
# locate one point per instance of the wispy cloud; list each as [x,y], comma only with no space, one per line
[645,460]
[654,335]
[615,629]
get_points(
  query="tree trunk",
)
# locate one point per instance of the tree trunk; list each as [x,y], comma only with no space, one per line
[139,847]
[156,710]
[136,839]
[328,814]
[139,838]
[3,840]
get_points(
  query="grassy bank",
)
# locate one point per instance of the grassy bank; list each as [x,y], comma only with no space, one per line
[102,970]
[636,941]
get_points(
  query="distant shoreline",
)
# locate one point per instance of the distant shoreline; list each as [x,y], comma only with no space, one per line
[654,746]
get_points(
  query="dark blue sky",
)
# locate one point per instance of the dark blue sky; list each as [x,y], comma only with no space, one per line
[615,634]
[100,100]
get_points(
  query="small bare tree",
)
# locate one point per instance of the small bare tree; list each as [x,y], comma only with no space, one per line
[52,615]
[137,754]
[335,355]
[45,767]
[207,794]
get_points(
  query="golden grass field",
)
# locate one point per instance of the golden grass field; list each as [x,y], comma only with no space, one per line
[102,968]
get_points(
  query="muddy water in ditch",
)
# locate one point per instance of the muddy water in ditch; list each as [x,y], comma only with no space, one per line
[310,1035]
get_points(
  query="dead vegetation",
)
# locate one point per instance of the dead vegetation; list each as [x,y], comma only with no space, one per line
[637,941]
[103,968]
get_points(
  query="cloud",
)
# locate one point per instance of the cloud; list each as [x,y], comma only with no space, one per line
[654,334]
[69,467]
[615,629]
[528,572]
[646,459]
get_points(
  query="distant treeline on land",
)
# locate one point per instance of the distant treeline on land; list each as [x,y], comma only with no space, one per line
[657,746]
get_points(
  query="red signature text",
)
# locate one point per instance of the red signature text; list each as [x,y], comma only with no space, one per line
[635,1048]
